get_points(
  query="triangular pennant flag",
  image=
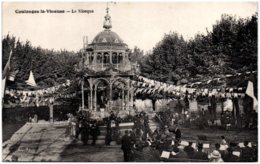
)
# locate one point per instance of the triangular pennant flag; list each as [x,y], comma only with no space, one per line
[31,80]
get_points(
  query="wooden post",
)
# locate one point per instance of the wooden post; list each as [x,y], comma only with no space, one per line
[51,113]
[123,99]
[95,98]
[128,95]
[102,58]
[131,97]
[82,89]
[91,98]
[110,95]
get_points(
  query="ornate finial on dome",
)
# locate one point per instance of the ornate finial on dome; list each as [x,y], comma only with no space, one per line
[107,23]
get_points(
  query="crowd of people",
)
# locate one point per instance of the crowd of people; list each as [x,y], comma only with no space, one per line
[151,144]
[205,118]
[162,140]
[82,125]
[141,143]
[143,140]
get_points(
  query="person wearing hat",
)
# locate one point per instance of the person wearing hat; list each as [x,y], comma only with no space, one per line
[222,152]
[200,155]
[223,140]
[215,156]
[132,137]
[247,153]
[85,131]
[230,157]
[189,150]
[126,146]
[255,150]
[94,132]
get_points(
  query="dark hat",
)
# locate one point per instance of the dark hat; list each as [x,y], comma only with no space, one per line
[233,144]
[229,149]
[245,143]
[217,145]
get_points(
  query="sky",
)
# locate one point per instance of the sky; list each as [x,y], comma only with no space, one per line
[141,24]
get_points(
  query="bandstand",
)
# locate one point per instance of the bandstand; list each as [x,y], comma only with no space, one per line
[107,72]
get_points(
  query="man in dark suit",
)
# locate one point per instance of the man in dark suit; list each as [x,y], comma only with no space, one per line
[94,131]
[230,157]
[126,146]
[85,131]
[132,138]
[222,152]
[247,153]
[79,123]
[108,137]
[200,155]
[189,150]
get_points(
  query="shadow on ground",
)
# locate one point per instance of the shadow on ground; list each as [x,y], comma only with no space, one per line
[77,152]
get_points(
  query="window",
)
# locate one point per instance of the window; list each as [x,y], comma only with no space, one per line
[99,58]
[91,57]
[106,58]
[114,58]
[120,58]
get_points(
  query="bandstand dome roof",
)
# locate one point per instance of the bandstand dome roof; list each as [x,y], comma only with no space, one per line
[108,37]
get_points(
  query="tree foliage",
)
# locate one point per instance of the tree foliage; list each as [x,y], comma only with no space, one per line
[49,67]
[230,47]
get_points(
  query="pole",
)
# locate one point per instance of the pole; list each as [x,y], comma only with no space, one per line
[82,89]
[51,113]
[91,97]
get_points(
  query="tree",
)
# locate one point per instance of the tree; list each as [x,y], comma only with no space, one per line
[230,47]
[136,55]
[167,56]
[49,67]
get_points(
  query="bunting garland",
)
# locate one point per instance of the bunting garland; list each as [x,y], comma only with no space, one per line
[41,96]
[142,85]
[154,87]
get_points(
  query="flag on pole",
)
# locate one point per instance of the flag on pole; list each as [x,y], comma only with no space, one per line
[250,92]
[31,80]
[6,73]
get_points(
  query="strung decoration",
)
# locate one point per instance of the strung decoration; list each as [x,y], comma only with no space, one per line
[38,97]
[142,86]
[150,87]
